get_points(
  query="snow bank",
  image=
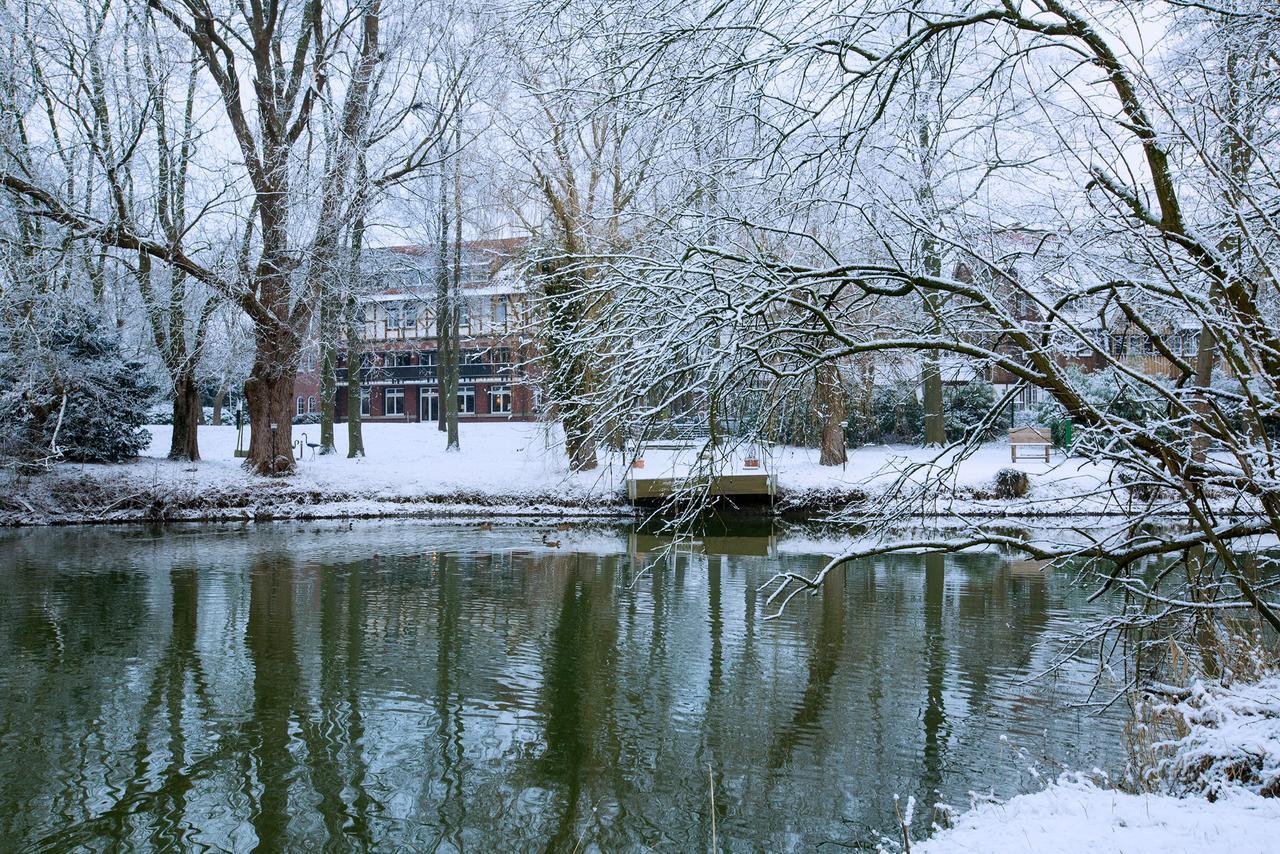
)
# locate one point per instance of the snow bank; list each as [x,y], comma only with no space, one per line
[1233,740]
[518,467]
[1221,782]
[1074,816]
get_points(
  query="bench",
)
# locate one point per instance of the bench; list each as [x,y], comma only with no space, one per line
[1030,437]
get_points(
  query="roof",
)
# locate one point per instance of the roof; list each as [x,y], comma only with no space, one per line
[414,276]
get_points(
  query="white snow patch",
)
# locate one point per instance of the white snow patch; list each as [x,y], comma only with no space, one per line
[1230,754]
[1073,816]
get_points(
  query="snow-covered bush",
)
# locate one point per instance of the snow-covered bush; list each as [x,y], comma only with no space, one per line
[1213,738]
[68,392]
[1011,483]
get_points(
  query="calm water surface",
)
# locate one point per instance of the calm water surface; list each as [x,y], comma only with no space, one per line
[426,687]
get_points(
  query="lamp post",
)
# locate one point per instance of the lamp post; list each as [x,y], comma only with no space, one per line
[274,425]
[240,451]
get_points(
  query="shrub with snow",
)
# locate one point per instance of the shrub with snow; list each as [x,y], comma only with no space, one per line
[67,391]
[1232,740]
[1011,483]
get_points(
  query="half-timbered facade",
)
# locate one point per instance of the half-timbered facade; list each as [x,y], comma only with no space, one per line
[399,358]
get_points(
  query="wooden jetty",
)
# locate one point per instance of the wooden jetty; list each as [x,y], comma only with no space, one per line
[694,467]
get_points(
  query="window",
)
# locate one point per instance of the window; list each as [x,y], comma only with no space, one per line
[500,400]
[311,403]
[428,404]
[473,357]
[302,406]
[500,312]
[394,401]
[370,360]
[364,403]
[398,360]
[467,401]
[464,316]
[402,315]
[427,357]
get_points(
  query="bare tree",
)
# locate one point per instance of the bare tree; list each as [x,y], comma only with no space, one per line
[1140,222]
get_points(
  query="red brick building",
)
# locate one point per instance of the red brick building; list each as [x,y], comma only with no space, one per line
[399,368]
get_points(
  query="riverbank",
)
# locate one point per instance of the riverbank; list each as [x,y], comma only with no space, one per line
[519,469]
[1215,788]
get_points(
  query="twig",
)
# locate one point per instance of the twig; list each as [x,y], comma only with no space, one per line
[712,780]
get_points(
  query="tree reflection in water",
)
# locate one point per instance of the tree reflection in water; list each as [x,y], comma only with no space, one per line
[436,688]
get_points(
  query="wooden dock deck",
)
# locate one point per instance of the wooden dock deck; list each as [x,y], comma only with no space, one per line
[641,488]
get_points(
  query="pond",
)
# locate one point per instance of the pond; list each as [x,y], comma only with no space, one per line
[442,687]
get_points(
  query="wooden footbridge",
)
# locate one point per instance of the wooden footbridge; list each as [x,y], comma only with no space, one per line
[684,462]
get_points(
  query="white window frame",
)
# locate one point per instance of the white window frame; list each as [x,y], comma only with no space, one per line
[390,393]
[302,402]
[426,394]
[466,394]
[311,403]
[495,394]
[365,407]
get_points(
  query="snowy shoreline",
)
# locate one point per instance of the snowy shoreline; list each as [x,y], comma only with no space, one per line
[1214,787]
[518,470]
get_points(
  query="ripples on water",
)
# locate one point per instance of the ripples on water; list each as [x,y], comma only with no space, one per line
[425,687]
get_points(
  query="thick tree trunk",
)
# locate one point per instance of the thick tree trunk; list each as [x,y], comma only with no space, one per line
[184,444]
[831,414]
[935,431]
[269,393]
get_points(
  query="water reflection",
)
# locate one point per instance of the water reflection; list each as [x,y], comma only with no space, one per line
[448,688]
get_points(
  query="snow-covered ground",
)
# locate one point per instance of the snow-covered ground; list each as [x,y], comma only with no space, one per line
[517,461]
[520,468]
[1230,752]
[522,459]
[1075,817]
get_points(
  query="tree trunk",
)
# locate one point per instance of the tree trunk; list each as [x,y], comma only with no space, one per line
[579,444]
[1206,356]
[328,362]
[355,437]
[355,434]
[831,414]
[455,318]
[218,400]
[269,394]
[184,444]
[935,432]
